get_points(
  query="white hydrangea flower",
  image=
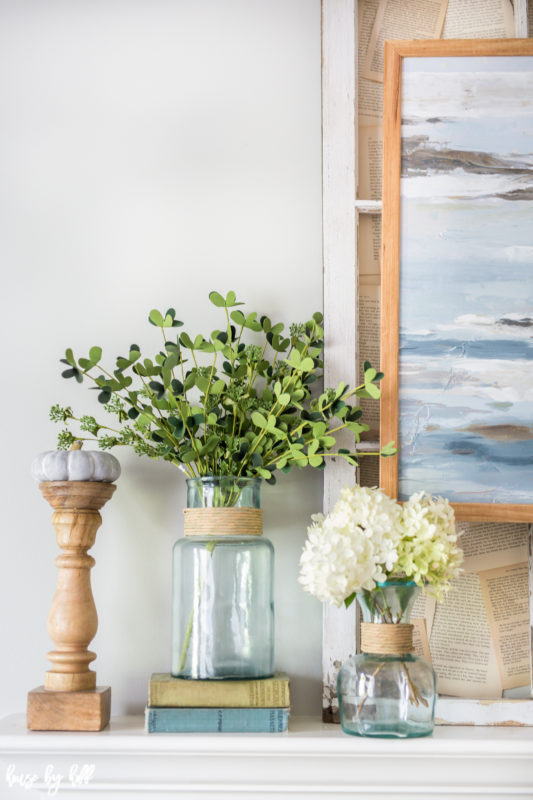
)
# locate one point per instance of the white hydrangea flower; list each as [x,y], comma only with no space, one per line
[353,547]
[428,552]
[368,537]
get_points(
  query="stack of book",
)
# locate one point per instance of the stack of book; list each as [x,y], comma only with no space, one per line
[231,706]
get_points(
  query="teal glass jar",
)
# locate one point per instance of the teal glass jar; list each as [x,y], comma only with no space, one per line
[223,584]
[387,694]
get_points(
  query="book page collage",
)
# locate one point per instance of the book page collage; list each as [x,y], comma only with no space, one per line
[478,638]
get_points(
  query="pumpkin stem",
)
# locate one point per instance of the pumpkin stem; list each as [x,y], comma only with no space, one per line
[77,445]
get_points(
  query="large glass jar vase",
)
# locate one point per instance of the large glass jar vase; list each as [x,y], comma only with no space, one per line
[386,690]
[223,606]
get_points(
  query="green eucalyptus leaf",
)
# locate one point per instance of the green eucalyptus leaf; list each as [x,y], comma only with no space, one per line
[231,300]
[294,359]
[218,386]
[95,354]
[307,364]
[69,357]
[271,423]
[349,600]
[238,317]
[217,299]
[252,323]
[186,341]
[157,388]
[259,420]
[156,318]
[373,391]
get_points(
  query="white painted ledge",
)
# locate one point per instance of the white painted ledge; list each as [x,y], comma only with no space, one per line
[311,761]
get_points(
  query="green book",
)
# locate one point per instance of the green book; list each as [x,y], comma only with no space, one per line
[164,691]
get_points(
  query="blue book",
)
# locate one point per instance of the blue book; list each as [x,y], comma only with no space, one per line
[216,720]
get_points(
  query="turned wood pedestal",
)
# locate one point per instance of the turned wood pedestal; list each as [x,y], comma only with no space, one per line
[70,699]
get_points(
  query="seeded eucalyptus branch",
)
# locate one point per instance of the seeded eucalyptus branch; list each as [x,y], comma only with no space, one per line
[218,406]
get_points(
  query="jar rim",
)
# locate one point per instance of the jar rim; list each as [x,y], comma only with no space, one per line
[396,582]
[242,479]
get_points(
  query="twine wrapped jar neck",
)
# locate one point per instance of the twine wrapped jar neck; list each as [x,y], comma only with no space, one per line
[223,521]
[387,638]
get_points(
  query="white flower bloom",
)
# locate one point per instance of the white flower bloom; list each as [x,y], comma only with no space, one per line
[428,551]
[367,537]
[351,548]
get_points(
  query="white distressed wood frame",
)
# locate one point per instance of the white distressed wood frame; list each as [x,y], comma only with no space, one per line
[341,209]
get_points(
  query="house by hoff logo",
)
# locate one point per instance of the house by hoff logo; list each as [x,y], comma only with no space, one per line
[51,780]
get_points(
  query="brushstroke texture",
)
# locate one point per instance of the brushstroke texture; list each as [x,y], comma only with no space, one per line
[466,266]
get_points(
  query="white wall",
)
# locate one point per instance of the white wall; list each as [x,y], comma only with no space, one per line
[150,151]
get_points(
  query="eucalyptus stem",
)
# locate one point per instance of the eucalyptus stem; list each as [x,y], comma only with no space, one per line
[262,415]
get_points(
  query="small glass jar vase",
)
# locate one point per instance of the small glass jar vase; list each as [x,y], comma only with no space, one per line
[386,690]
[223,584]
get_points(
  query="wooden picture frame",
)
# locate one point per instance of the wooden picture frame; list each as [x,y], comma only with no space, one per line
[410,240]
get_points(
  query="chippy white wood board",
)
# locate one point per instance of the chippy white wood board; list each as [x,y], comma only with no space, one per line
[341,210]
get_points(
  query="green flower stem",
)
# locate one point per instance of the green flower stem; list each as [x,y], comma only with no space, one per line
[186,640]
[385,610]
[207,393]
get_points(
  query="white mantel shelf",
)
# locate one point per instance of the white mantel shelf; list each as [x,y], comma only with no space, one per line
[311,761]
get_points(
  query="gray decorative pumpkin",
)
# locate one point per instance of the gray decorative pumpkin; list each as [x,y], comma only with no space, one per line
[75,465]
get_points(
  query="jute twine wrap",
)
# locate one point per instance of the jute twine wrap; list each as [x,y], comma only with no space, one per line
[386,638]
[223,521]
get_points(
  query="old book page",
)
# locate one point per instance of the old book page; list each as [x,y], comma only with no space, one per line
[461,645]
[410,19]
[369,324]
[420,639]
[370,92]
[368,471]
[487,546]
[370,175]
[370,246]
[478,19]
[370,161]
[506,595]
[424,608]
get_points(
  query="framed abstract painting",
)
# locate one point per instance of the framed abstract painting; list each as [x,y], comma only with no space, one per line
[457,276]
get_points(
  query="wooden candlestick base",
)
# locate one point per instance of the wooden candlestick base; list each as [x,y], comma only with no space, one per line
[70,699]
[68,711]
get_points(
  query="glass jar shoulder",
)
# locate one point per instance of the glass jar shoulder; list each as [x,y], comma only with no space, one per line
[233,542]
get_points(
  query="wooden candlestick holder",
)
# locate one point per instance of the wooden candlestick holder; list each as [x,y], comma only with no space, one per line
[70,699]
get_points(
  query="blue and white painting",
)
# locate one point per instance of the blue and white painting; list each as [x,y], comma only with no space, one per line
[466,279]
